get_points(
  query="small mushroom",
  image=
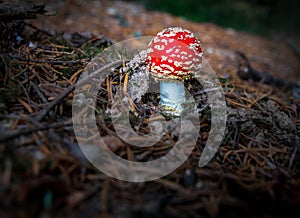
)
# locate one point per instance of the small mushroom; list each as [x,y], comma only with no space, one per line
[173,56]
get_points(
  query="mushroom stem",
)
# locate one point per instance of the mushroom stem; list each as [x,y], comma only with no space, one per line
[172,96]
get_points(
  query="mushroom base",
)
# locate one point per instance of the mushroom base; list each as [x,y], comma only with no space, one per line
[172,96]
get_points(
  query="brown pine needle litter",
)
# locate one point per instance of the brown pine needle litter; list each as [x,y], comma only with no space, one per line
[255,172]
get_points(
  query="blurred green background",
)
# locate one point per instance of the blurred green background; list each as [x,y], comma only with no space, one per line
[262,17]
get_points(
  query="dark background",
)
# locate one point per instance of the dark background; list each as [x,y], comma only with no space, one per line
[262,17]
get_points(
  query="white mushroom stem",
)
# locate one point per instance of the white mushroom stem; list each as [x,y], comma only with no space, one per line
[172,96]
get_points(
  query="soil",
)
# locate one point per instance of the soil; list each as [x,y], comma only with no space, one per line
[255,172]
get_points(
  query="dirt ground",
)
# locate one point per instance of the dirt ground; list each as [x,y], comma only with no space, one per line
[255,172]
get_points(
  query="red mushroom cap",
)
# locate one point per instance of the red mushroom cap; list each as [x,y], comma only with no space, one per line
[174,54]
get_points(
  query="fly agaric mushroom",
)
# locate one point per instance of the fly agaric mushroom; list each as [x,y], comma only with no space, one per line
[173,56]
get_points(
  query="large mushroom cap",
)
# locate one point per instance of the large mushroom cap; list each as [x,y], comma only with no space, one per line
[174,54]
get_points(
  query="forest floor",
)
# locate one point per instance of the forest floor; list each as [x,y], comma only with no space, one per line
[255,172]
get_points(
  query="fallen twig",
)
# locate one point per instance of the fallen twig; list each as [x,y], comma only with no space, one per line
[247,72]
[27,130]
[15,11]
[45,61]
